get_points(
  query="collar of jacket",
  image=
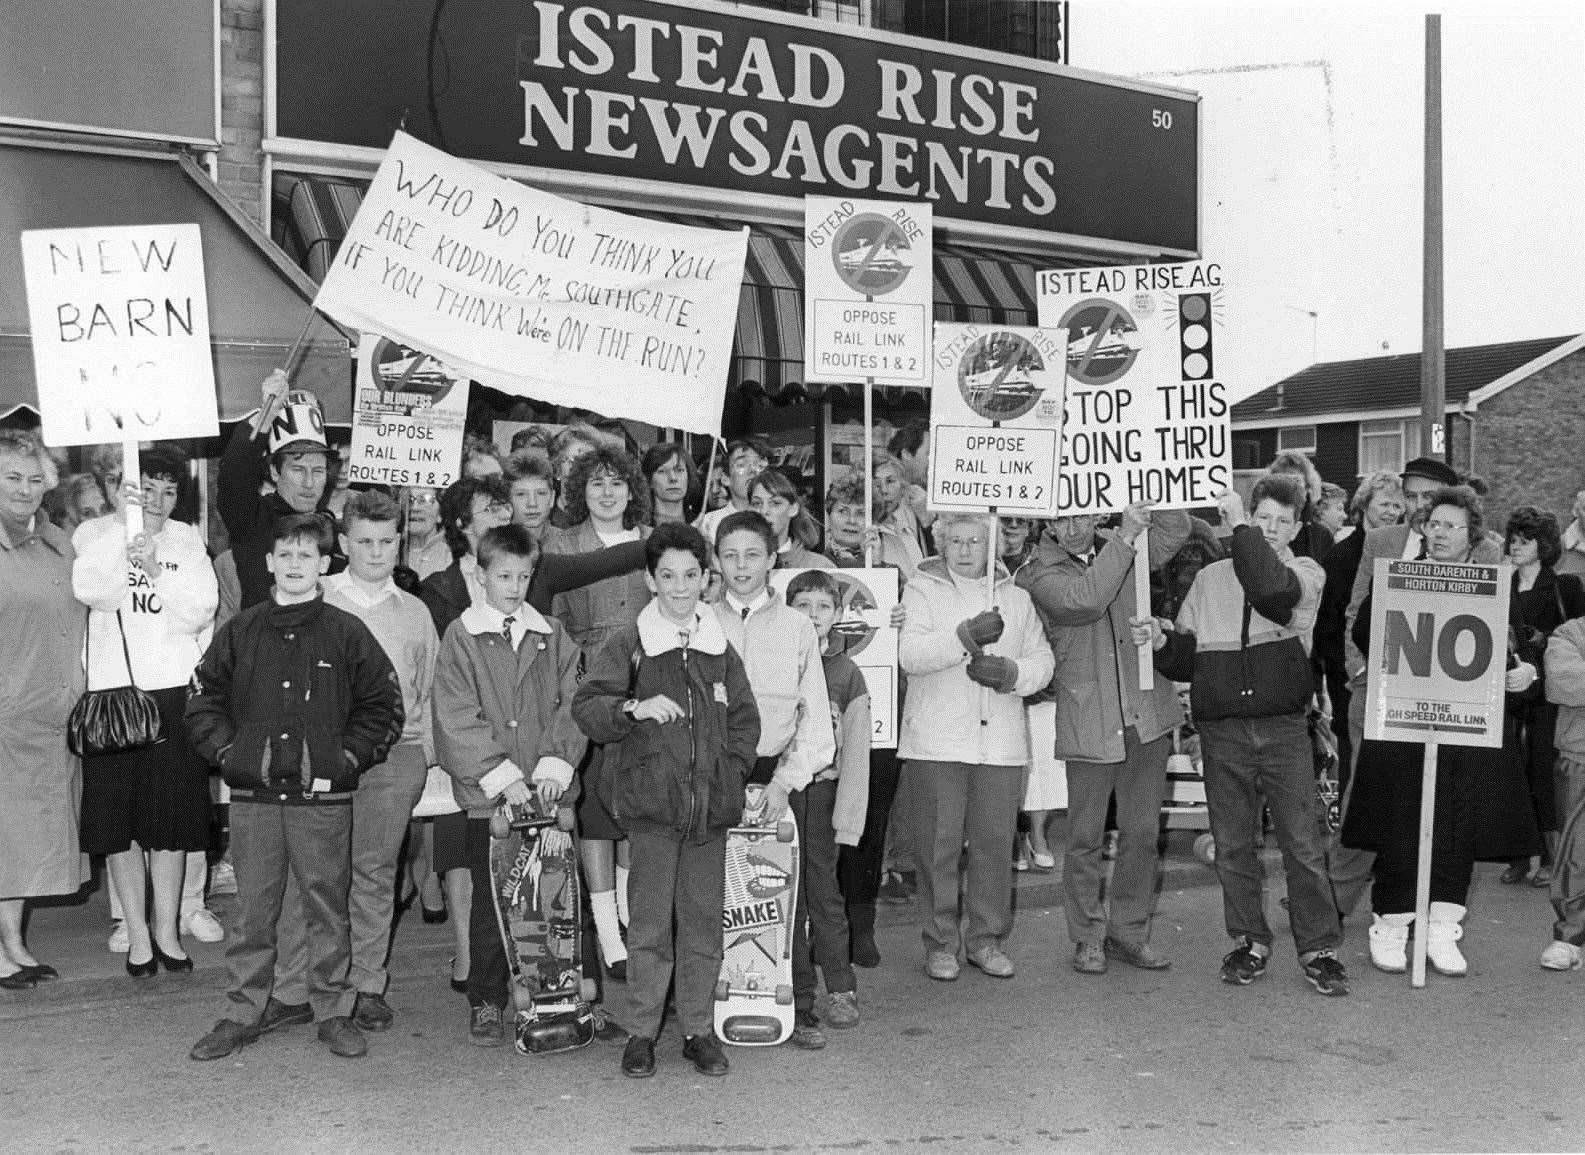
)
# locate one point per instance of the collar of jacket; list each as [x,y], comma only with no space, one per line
[935,568]
[483,619]
[657,634]
[45,530]
[297,614]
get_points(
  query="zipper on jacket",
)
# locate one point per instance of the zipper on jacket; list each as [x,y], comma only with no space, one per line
[693,749]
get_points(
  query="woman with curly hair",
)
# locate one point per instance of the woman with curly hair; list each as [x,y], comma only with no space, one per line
[1543,599]
[607,504]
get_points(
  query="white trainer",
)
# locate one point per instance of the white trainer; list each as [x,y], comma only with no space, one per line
[1389,942]
[119,943]
[203,925]
[1561,956]
[1441,940]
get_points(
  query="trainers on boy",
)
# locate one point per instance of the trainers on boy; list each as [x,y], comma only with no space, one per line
[203,925]
[1326,974]
[374,1013]
[1089,958]
[120,942]
[1561,956]
[1243,964]
[842,1010]
[486,1027]
[806,1033]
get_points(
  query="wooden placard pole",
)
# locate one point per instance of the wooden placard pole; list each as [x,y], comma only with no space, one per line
[131,471]
[1147,673]
[870,556]
[1422,881]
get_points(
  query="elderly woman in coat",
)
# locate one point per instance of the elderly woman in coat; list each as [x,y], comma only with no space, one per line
[40,780]
[970,660]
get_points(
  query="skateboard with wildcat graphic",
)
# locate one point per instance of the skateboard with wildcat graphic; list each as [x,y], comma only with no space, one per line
[754,995]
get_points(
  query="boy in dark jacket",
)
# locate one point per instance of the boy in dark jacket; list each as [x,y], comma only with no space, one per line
[293,701]
[671,702]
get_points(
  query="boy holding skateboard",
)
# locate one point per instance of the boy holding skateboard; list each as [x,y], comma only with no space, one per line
[670,700]
[830,811]
[504,683]
[781,652]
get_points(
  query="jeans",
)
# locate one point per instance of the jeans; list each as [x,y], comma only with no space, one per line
[676,894]
[1139,781]
[958,802]
[1244,758]
[820,921]
[309,842]
[1568,872]
[381,809]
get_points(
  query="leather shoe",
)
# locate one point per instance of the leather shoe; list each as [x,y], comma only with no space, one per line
[373,1013]
[342,1036]
[941,965]
[41,972]
[1515,874]
[705,1053]
[228,1037]
[638,1058]
[171,963]
[434,916]
[142,970]
[993,961]
[1540,879]
[1089,958]
[279,1014]
[1141,955]
[17,981]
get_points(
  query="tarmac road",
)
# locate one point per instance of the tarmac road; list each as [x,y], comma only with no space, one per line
[1049,1060]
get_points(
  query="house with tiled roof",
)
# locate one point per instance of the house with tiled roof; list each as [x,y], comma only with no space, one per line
[1515,417]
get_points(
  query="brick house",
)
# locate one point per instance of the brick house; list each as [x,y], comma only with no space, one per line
[1515,414]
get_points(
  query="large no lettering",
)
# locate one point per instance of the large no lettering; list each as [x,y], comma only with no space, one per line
[1415,646]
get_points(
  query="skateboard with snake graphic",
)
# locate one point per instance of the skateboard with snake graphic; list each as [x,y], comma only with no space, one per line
[754,995]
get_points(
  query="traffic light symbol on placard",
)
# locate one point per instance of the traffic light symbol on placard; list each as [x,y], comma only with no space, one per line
[1194,336]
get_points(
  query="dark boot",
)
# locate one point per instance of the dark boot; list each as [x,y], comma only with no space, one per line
[861,930]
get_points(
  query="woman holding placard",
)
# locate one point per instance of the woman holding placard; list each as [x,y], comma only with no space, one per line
[1384,806]
[152,603]
[40,780]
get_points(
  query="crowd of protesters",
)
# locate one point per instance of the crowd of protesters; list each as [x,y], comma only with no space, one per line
[552,622]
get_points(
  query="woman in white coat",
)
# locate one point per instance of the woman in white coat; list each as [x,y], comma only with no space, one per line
[964,738]
[161,586]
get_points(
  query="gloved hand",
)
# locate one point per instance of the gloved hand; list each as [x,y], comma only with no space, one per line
[1000,674]
[980,631]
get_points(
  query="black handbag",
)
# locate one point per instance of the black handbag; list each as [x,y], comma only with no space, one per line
[114,720]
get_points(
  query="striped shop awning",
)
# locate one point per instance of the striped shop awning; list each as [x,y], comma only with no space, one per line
[310,215]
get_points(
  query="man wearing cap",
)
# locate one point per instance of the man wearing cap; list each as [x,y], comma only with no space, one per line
[289,435]
[1422,477]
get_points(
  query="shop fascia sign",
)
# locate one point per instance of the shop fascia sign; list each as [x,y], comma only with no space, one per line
[772,107]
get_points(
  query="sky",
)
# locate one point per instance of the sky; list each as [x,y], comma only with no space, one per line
[1313,123]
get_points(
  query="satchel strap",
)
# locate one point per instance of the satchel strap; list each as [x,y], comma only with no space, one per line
[126,653]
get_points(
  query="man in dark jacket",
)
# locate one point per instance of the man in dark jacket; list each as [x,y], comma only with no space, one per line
[293,701]
[671,700]
[1242,641]
[286,445]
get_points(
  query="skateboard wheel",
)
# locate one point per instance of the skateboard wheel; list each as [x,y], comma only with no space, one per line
[784,831]
[500,824]
[1205,848]
[721,991]
[784,995]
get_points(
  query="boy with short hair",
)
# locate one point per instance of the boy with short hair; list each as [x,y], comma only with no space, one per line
[504,683]
[293,701]
[746,459]
[670,700]
[830,812]
[781,653]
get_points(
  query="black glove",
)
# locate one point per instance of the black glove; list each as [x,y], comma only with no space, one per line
[1000,674]
[980,631]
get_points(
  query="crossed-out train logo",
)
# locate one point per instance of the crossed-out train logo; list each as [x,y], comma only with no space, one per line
[996,376]
[1103,341]
[407,380]
[872,254]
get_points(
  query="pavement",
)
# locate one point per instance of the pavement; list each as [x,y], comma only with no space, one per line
[1049,1060]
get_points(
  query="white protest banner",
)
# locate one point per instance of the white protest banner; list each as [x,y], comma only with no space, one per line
[1147,415]
[863,622]
[868,292]
[1438,652]
[996,418]
[540,296]
[408,412]
[120,326]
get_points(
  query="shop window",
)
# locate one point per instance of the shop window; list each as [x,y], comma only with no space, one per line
[1296,437]
[1388,444]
